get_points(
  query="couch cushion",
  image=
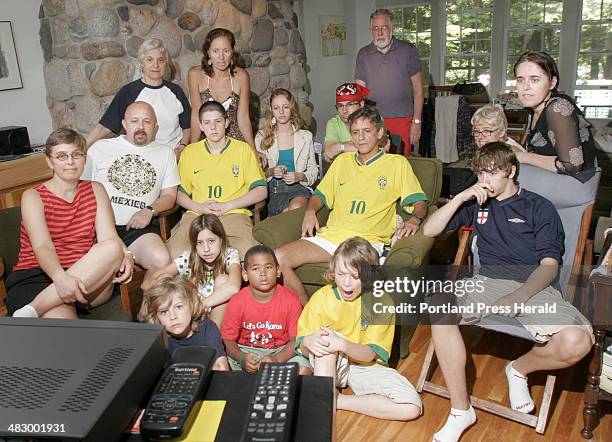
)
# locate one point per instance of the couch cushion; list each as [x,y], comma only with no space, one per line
[10,220]
[429,173]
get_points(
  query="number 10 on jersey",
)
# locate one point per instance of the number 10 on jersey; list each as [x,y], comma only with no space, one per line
[214,191]
[358,207]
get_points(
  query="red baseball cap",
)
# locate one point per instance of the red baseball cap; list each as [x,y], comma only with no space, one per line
[351,92]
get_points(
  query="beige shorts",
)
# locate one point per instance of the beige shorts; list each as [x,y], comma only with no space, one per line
[331,247]
[545,314]
[374,379]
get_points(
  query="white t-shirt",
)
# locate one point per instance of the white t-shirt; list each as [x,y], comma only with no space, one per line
[206,289]
[169,102]
[133,176]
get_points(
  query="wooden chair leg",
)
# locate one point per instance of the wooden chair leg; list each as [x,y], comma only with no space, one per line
[426,367]
[2,289]
[545,407]
[131,294]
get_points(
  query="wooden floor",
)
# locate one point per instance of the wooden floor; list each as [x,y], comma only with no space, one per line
[487,351]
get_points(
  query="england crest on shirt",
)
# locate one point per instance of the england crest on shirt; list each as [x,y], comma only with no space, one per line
[483,215]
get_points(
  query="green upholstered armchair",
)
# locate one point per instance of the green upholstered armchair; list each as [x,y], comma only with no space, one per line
[407,252]
[412,251]
[10,220]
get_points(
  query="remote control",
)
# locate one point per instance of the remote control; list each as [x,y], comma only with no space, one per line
[271,409]
[169,408]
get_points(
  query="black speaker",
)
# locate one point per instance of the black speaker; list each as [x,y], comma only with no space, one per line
[14,140]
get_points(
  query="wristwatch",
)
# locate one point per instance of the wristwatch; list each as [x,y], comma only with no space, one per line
[416,121]
[152,209]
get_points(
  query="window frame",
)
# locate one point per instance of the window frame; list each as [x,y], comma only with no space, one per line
[428,58]
[569,42]
[469,55]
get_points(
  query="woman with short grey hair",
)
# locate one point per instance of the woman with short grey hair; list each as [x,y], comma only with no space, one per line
[489,124]
[167,99]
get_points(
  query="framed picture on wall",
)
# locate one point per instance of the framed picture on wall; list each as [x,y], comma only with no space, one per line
[10,77]
[333,35]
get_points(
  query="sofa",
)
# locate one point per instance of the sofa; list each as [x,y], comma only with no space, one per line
[412,251]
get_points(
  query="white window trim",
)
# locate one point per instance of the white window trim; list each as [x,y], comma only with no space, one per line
[569,43]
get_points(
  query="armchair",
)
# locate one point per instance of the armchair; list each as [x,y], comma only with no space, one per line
[412,251]
[122,308]
[407,252]
[510,326]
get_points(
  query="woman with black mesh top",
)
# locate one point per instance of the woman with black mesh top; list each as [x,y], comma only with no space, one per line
[559,140]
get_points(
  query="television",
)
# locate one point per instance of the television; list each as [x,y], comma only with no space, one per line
[75,379]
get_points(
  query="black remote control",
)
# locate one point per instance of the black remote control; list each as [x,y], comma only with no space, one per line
[270,416]
[174,397]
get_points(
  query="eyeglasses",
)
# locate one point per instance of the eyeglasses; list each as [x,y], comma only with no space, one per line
[484,132]
[384,28]
[63,156]
[341,106]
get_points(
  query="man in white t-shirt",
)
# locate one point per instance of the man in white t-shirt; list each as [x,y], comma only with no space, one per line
[141,179]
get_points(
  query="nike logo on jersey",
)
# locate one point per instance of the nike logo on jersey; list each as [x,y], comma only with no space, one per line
[342,184]
[516,220]
[198,171]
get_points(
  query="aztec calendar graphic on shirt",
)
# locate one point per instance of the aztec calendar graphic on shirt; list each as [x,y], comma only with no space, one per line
[132,175]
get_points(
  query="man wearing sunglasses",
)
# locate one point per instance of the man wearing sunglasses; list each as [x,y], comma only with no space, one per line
[391,70]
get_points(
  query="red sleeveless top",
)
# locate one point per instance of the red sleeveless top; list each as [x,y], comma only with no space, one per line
[72,226]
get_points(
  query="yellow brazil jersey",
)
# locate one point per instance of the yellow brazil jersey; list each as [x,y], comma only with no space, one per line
[327,308]
[364,197]
[222,177]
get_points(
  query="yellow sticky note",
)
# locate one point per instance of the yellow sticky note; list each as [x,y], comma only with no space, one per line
[206,424]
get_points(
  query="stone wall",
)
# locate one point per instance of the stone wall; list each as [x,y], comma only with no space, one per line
[90,49]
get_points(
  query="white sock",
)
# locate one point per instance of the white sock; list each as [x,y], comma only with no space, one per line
[27,311]
[458,421]
[518,390]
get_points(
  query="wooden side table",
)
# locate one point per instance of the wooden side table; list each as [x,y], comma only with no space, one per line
[601,304]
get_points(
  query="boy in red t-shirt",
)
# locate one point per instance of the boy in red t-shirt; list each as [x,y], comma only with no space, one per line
[260,322]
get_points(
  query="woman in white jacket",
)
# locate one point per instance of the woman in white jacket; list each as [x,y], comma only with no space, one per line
[289,149]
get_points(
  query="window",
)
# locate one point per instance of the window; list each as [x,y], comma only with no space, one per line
[594,71]
[413,23]
[468,41]
[534,25]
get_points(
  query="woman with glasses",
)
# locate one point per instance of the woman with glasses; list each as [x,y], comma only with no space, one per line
[289,152]
[489,124]
[70,255]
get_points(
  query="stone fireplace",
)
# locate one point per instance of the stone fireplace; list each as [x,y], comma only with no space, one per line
[90,49]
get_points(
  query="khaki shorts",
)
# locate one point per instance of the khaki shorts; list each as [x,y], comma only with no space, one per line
[374,379]
[559,314]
